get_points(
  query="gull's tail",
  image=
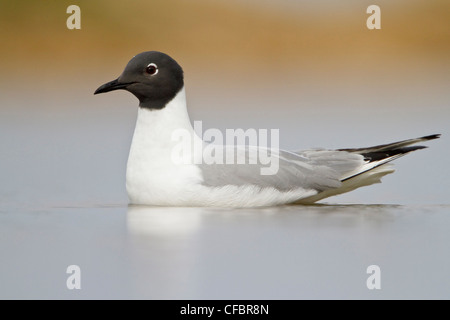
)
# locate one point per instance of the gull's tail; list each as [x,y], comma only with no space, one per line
[376,166]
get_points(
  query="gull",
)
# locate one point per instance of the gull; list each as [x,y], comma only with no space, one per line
[155,177]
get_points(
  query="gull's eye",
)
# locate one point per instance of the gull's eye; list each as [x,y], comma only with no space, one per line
[151,69]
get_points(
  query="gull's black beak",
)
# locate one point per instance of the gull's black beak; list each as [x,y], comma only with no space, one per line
[112,85]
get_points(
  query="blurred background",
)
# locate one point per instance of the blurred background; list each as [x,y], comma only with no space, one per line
[309,68]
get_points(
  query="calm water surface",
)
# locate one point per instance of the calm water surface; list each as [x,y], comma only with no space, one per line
[288,252]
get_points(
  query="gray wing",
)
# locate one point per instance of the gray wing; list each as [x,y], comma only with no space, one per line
[317,170]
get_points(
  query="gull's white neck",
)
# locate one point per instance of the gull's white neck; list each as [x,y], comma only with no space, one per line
[154,127]
[150,165]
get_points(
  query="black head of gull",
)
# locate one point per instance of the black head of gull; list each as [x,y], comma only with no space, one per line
[152,76]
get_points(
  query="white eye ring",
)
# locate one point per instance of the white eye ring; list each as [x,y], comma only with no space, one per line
[151,69]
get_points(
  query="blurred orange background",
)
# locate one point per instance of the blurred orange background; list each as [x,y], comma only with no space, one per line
[249,38]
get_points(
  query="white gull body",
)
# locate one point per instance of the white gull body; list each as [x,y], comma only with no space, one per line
[153,178]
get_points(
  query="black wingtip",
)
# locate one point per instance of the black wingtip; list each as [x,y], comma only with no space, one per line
[431,137]
[410,149]
[377,156]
